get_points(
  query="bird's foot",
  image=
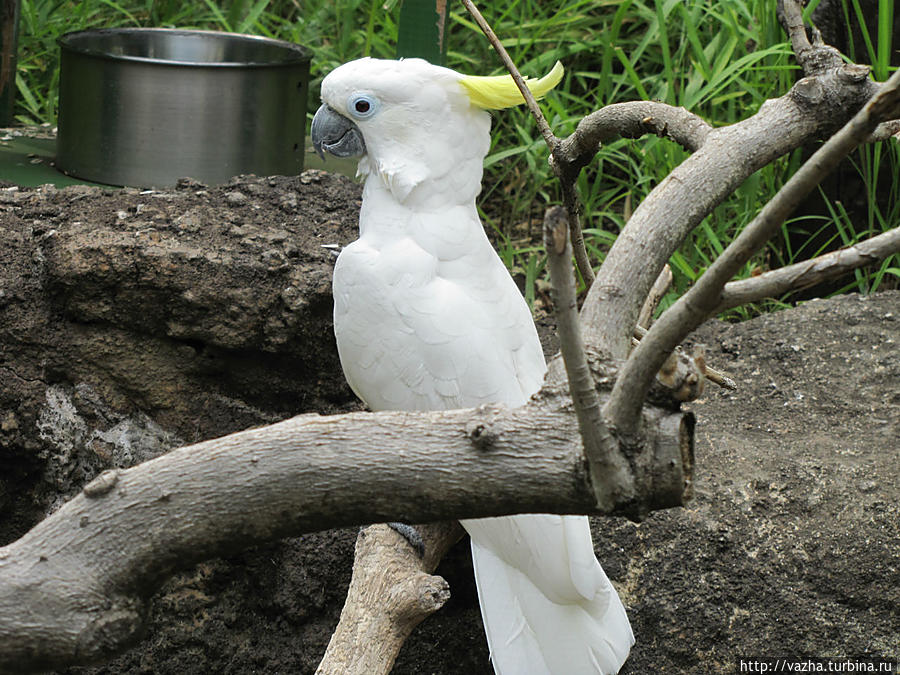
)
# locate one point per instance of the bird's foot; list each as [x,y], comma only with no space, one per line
[333,249]
[411,535]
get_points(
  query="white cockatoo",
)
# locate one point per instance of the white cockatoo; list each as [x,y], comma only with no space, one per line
[428,318]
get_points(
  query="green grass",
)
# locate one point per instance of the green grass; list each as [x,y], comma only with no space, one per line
[336,31]
[720,60]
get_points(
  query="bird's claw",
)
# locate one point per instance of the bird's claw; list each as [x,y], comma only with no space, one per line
[411,535]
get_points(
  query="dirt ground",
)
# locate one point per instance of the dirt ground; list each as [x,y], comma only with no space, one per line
[133,322]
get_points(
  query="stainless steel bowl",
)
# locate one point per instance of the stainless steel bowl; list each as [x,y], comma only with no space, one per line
[147,106]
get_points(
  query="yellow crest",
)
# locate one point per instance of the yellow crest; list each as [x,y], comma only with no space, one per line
[495,92]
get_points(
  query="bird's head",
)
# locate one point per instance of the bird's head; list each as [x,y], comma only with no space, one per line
[410,121]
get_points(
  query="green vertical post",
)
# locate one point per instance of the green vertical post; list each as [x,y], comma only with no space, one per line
[9,34]
[422,31]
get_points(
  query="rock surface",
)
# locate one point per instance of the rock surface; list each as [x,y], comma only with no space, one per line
[132,322]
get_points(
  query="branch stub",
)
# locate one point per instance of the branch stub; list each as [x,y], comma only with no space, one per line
[102,484]
[482,434]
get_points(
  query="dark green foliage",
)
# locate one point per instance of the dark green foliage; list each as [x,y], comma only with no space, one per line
[719,59]
[422,30]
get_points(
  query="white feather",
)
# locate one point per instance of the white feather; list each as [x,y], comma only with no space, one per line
[427,317]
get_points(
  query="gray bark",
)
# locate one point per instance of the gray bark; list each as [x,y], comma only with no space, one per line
[726,158]
[690,310]
[391,592]
[809,272]
[74,588]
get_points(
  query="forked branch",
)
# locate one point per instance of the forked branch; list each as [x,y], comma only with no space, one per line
[704,297]
[392,590]
[722,159]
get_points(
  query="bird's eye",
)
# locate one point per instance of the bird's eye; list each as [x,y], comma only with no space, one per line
[362,106]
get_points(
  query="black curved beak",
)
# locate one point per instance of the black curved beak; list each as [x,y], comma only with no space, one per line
[333,133]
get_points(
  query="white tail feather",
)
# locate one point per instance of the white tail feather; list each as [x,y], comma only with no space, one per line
[547,605]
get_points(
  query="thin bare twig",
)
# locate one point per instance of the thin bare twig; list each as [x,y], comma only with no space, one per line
[576,233]
[701,300]
[570,198]
[713,375]
[660,288]
[718,377]
[530,101]
[809,272]
[795,28]
[607,464]
[814,57]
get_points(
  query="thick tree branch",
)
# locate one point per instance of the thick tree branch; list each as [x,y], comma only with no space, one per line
[809,272]
[74,588]
[631,119]
[391,591]
[678,204]
[814,108]
[701,300]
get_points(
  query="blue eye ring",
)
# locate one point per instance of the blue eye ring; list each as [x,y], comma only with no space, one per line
[362,106]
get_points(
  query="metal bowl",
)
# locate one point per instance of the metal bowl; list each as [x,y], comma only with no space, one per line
[147,106]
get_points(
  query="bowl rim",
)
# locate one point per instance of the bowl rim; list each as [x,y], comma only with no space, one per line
[301,54]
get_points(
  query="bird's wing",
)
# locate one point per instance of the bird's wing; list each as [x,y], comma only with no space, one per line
[419,340]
